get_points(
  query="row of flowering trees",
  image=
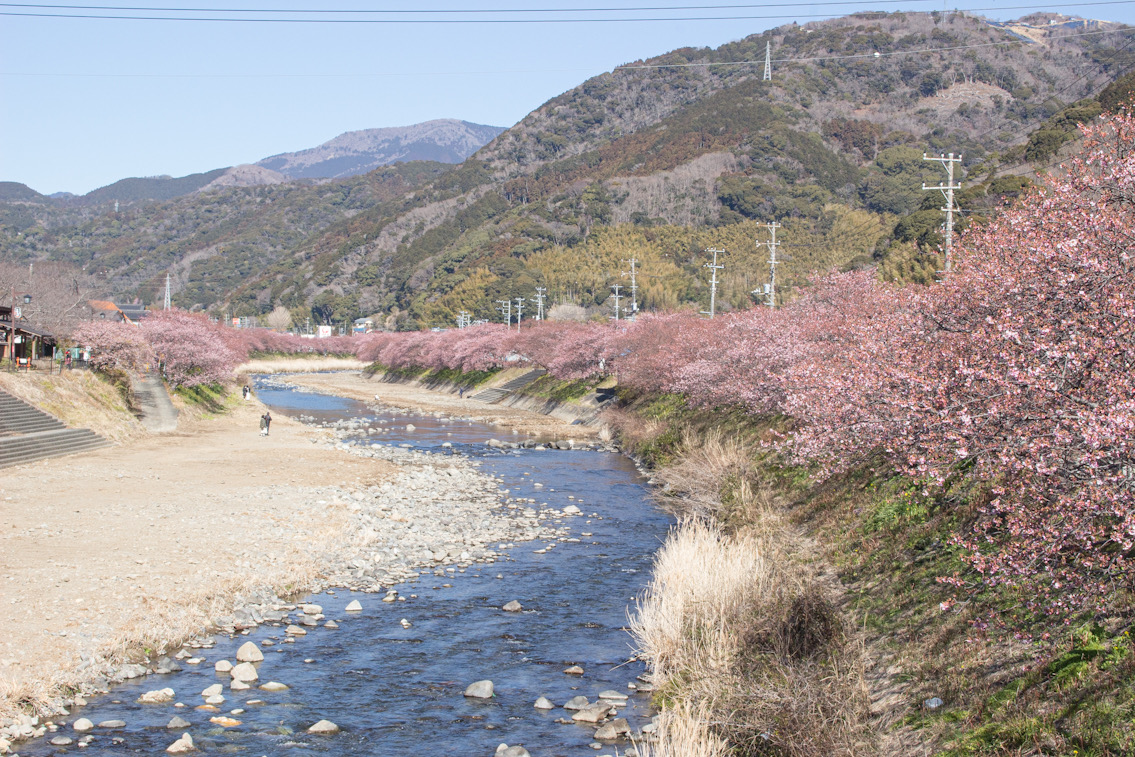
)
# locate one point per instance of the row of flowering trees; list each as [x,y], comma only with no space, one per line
[1019,368]
[189,348]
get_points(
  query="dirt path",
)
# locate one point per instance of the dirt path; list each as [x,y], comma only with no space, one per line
[147,540]
[409,396]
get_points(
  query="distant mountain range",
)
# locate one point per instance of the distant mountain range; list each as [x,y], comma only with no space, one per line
[445,140]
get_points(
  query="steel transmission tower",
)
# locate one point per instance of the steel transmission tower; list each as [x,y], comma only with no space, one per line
[166,303]
[947,190]
[768,61]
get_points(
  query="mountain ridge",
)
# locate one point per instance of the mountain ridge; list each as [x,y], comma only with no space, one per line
[658,162]
[446,140]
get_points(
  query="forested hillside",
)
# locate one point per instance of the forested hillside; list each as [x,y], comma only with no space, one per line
[656,160]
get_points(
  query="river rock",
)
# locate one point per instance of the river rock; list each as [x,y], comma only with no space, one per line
[543,703]
[223,666]
[312,609]
[215,699]
[405,623]
[177,722]
[480,690]
[236,685]
[576,703]
[182,745]
[112,724]
[574,670]
[616,729]
[612,695]
[212,691]
[294,630]
[273,686]
[504,750]
[82,725]
[132,671]
[513,606]
[245,672]
[572,510]
[324,726]
[249,652]
[331,624]
[354,606]
[160,696]
[62,741]
[592,713]
[225,721]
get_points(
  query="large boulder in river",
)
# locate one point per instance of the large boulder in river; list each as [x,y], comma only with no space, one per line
[249,652]
[245,672]
[480,690]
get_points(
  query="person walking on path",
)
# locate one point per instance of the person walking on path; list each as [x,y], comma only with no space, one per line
[265,422]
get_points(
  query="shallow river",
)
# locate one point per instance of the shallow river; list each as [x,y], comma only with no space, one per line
[396,691]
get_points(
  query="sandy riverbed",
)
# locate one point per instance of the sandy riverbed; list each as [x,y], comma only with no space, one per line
[151,538]
[409,396]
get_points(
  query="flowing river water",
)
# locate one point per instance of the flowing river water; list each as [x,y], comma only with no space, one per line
[396,691]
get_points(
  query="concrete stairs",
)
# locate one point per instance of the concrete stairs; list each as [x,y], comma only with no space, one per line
[520,382]
[490,395]
[516,384]
[28,434]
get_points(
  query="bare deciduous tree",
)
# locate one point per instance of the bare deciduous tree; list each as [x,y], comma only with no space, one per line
[59,294]
[567,312]
[279,319]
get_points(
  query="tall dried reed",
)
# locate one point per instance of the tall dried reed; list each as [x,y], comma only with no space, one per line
[746,647]
[311,364]
[684,731]
[703,583]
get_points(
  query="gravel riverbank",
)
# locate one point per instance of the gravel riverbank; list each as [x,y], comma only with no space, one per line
[148,546]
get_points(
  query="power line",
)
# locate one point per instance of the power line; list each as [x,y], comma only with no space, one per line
[893,53]
[372,74]
[483,21]
[440,11]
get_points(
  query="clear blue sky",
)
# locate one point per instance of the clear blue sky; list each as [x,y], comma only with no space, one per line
[85,102]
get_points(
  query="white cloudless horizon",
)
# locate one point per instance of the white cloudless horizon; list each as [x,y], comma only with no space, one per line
[87,102]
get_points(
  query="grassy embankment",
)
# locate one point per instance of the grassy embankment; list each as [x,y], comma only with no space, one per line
[837,640]
[81,399]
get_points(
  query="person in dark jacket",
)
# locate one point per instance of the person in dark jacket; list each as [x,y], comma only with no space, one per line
[265,422]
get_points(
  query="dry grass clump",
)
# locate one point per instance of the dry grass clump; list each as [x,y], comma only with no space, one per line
[738,632]
[713,479]
[301,364]
[702,585]
[741,634]
[684,731]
